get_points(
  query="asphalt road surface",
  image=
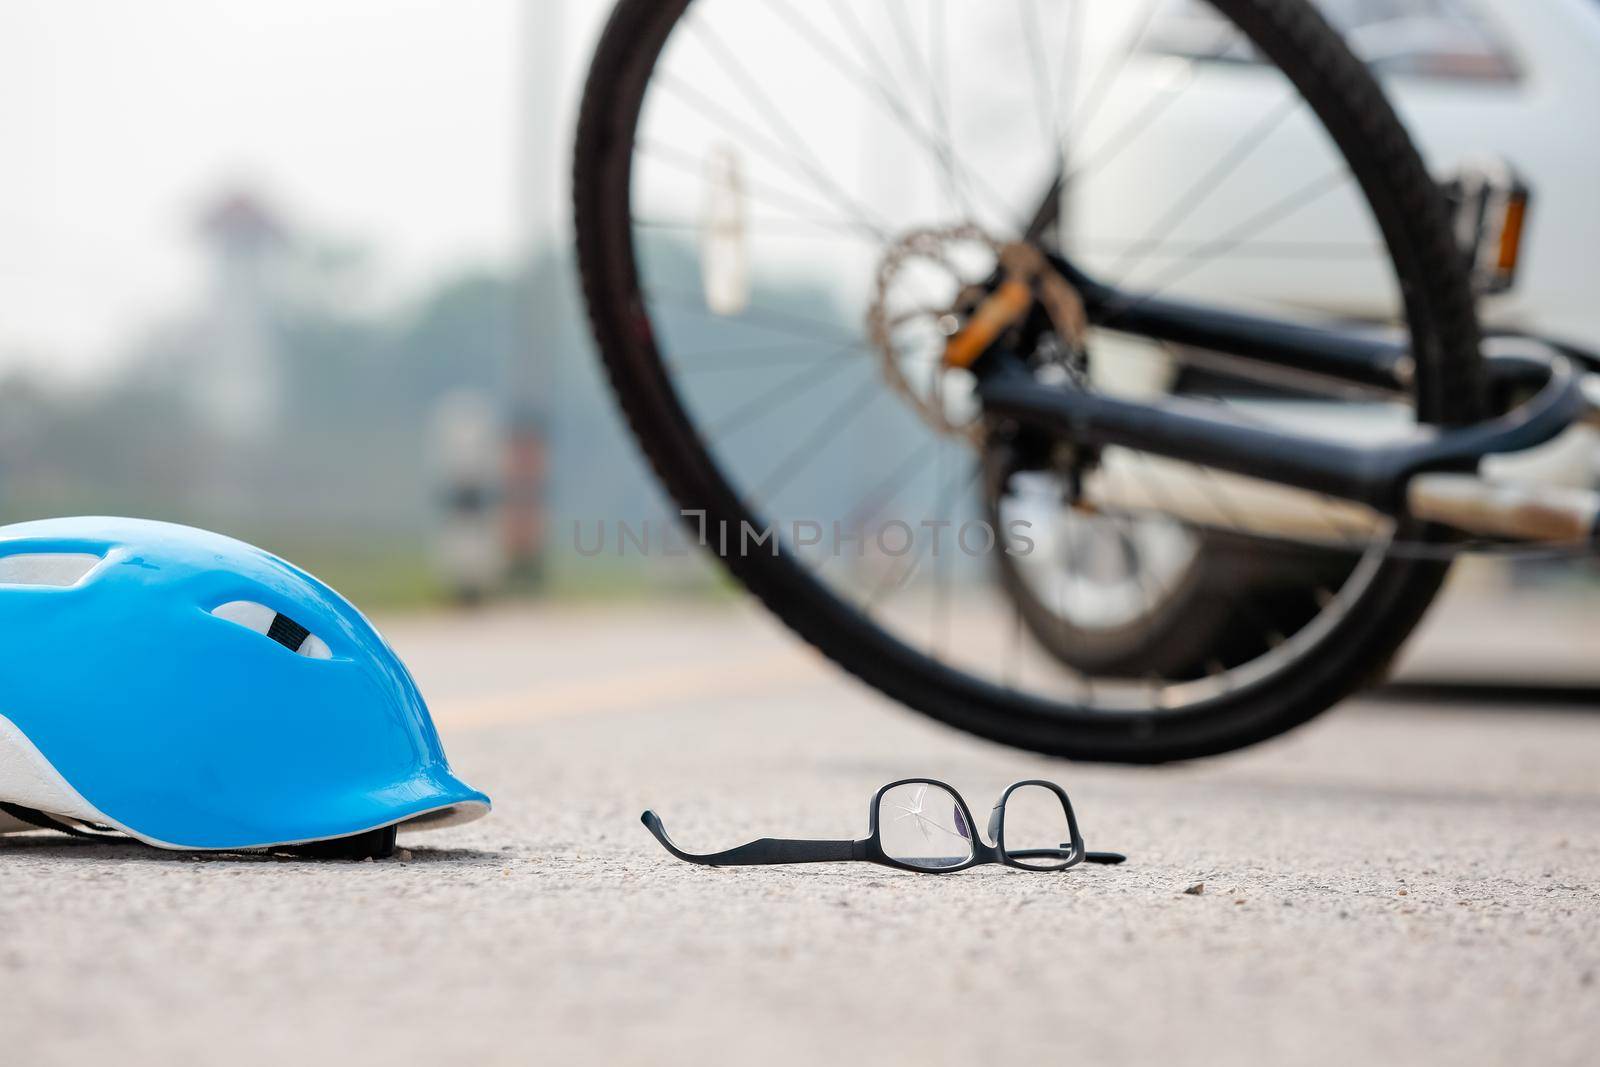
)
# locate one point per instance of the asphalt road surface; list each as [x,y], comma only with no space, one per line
[1415,878]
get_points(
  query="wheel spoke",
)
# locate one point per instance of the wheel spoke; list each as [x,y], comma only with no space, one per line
[1033,42]
[1198,193]
[810,447]
[757,95]
[785,392]
[776,154]
[958,178]
[786,228]
[1246,610]
[893,96]
[1112,147]
[942,147]
[1287,250]
[786,322]
[1275,213]
[1072,60]
[741,361]
[939,84]
[757,192]
[1110,70]
[884,492]
[896,580]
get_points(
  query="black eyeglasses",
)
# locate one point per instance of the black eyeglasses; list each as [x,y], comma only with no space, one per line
[922,825]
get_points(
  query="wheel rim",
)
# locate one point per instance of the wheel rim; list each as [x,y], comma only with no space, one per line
[758,322]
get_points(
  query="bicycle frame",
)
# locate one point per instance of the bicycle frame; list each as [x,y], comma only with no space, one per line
[1430,475]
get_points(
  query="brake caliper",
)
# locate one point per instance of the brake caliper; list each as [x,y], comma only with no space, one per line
[1026,279]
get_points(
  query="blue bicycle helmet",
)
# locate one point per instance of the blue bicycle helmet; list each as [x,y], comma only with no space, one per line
[195,692]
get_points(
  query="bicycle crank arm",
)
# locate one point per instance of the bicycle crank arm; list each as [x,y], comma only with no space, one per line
[1432,474]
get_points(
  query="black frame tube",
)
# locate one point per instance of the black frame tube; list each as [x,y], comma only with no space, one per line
[1373,361]
[1205,434]
[1359,357]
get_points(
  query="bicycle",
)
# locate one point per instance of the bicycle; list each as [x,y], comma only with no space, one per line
[1249,501]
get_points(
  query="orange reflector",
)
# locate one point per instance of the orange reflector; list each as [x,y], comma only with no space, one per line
[1008,304]
[1511,233]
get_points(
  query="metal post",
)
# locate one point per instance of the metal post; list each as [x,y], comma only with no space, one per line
[532,375]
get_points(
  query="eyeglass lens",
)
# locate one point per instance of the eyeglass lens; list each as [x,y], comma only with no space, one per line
[922,825]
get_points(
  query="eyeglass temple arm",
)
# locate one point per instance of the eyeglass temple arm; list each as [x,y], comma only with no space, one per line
[1108,858]
[768,850]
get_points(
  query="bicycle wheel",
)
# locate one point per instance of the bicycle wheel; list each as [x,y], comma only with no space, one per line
[780,210]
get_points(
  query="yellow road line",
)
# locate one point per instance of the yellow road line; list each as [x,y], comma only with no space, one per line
[698,681]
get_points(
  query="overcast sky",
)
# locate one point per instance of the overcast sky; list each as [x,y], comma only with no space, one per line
[394,122]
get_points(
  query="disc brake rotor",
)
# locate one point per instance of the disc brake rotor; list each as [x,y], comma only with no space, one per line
[989,288]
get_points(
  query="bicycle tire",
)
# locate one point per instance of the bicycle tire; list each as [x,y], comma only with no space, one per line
[1440,310]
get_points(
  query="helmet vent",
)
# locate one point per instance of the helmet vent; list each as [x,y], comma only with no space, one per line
[60,570]
[277,626]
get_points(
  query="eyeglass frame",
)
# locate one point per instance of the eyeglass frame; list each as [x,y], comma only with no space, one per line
[771,851]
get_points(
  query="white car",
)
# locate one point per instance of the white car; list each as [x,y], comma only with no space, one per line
[1487,87]
[1476,80]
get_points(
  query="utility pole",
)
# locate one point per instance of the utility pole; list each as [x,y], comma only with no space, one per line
[539,313]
